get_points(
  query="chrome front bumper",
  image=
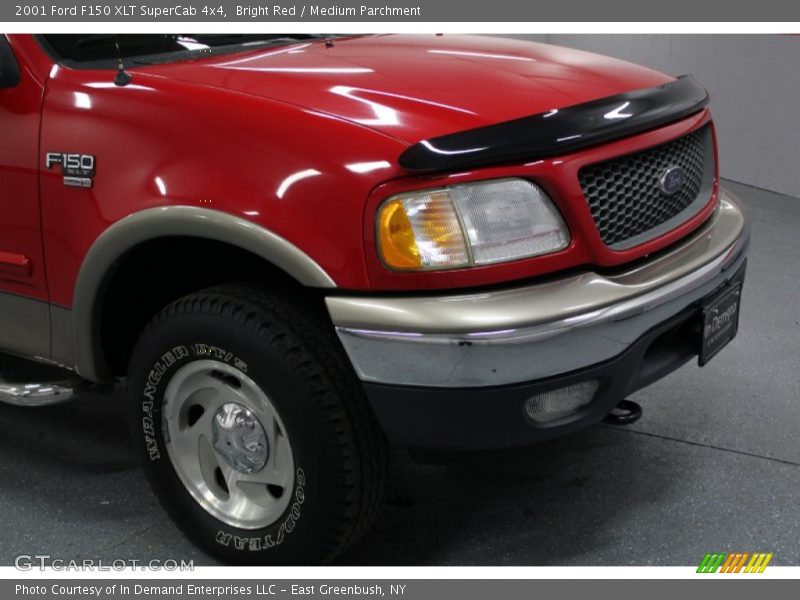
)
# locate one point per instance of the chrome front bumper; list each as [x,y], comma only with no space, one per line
[529,333]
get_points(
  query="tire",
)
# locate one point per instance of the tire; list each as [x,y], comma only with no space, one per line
[204,375]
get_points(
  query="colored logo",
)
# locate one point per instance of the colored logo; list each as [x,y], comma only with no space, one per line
[736,562]
[672,180]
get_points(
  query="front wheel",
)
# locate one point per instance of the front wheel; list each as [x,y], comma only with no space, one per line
[255,434]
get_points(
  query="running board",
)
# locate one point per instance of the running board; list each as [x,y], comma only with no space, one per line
[27,383]
[40,394]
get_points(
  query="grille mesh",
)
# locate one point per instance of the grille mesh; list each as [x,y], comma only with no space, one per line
[624,194]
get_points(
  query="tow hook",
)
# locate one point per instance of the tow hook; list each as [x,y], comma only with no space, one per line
[624,413]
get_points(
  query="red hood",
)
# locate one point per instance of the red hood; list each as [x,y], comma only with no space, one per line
[420,86]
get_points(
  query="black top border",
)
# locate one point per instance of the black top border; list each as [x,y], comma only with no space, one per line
[559,131]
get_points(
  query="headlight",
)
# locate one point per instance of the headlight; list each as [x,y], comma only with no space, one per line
[468,225]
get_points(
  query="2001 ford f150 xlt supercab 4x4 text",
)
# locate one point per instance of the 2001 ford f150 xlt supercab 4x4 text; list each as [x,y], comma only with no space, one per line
[298,250]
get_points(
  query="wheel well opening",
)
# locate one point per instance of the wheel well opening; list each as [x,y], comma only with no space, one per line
[157,272]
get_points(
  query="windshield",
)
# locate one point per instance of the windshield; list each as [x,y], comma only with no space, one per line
[101,50]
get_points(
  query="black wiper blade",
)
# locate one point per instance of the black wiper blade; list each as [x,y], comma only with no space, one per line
[102,38]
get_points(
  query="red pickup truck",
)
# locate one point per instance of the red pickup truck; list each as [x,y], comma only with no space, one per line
[295,250]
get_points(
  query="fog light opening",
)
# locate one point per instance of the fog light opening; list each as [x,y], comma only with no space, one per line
[560,403]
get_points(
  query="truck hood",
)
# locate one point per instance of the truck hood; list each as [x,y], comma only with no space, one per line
[413,87]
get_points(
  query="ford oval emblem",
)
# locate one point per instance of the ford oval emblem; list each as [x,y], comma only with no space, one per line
[672,180]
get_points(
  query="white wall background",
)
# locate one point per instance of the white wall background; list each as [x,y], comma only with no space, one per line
[754,82]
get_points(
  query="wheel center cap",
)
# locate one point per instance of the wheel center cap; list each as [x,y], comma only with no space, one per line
[239,438]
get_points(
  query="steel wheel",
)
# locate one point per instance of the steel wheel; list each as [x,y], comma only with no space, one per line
[228,444]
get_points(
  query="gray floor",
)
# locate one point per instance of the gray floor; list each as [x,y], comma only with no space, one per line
[714,465]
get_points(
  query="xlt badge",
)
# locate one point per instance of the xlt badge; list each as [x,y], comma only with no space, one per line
[78,169]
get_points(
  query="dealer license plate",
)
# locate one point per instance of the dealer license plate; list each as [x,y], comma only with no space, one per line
[720,321]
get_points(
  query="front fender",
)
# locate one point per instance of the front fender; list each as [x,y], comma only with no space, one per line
[127,233]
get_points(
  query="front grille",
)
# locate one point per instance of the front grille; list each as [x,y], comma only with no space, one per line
[625,196]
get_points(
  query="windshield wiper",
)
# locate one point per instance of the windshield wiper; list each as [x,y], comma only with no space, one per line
[102,38]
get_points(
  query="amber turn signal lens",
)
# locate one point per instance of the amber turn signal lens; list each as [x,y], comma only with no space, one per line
[397,242]
[421,231]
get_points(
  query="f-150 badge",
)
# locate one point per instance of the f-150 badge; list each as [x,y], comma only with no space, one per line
[78,169]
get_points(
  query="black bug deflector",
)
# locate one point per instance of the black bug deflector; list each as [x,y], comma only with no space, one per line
[559,131]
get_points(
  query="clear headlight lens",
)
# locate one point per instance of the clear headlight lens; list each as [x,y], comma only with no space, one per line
[466,225]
